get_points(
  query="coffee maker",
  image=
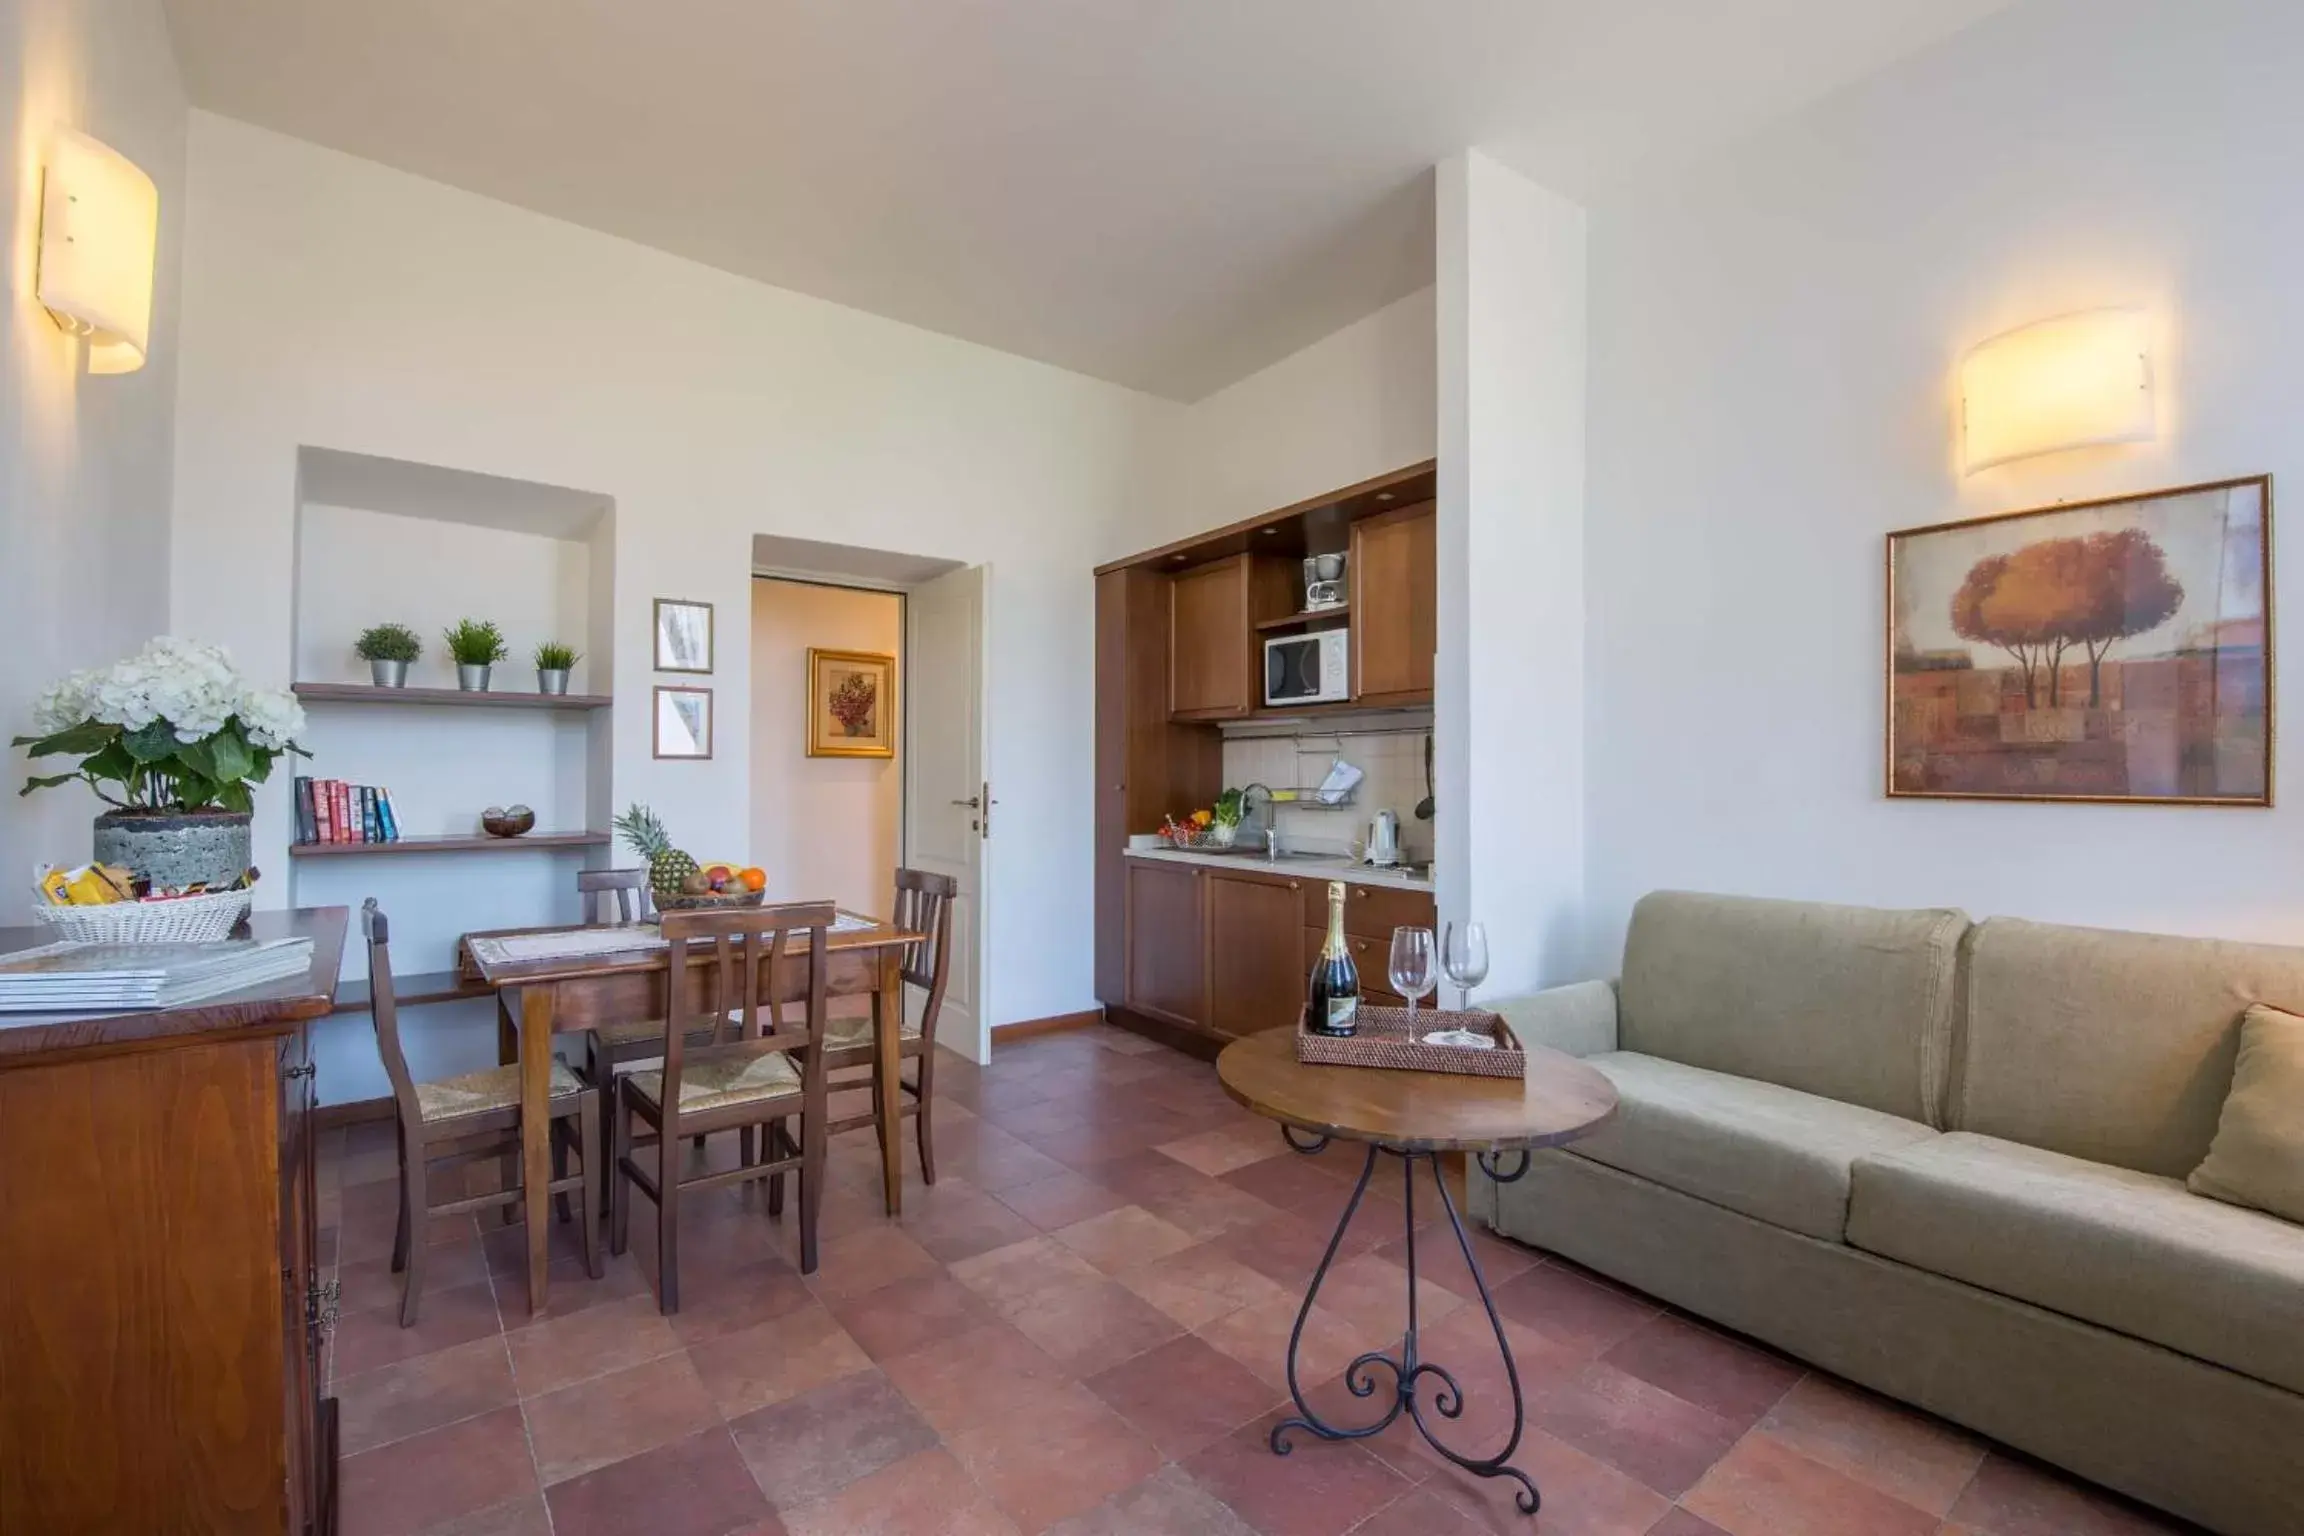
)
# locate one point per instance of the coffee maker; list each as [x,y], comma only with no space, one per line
[1323,582]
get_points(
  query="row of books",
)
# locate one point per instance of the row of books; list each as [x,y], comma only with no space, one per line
[332,811]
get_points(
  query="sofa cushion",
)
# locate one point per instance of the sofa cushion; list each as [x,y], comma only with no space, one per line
[2124,1250]
[2113,1047]
[1851,1003]
[2258,1156]
[1772,1153]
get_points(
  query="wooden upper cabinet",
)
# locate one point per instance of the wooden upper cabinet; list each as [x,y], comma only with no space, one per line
[1257,964]
[1395,602]
[1215,667]
[1209,676]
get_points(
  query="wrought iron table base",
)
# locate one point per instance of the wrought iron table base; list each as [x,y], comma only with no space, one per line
[1409,1370]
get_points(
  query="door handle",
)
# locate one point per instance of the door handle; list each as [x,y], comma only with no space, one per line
[971,802]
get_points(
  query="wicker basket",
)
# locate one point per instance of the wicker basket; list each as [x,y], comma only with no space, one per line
[711,901]
[1383,1039]
[178,920]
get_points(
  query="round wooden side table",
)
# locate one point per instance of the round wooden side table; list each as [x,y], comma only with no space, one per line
[1414,1116]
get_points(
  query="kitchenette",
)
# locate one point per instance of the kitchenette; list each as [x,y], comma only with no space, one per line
[1263,728]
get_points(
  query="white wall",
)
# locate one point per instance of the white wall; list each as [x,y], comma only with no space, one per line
[1509,687]
[822,827]
[336,303]
[84,462]
[1352,405]
[1774,334]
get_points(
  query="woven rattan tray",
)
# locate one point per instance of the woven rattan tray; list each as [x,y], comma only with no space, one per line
[1385,1040]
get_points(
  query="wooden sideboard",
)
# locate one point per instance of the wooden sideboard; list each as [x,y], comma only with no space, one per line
[160,1312]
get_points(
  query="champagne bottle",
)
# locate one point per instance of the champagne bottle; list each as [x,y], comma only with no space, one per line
[1332,1004]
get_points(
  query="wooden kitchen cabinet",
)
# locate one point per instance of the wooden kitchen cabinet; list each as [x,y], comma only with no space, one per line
[1167,941]
[1395,607]
[1146,766]
[1216,666]
[1257,965]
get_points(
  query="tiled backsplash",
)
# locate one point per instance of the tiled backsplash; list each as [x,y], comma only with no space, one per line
[1393,763]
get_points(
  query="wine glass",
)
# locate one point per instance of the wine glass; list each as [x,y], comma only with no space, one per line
[1412,966]
[1464,956]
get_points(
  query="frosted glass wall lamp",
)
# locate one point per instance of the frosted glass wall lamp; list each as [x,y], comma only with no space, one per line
[2077,381]
[99,232]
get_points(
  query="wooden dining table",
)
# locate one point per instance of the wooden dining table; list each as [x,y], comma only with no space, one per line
[577,992]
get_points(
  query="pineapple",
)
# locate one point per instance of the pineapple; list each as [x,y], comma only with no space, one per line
[668,868]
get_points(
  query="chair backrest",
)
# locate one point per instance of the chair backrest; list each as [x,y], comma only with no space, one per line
[628,887]
[384,1009]
[724,965]
[924,905]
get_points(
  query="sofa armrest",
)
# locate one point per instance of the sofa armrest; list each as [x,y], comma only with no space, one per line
[1579,1019]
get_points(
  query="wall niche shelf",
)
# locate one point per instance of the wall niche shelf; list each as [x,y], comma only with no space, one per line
[533,841]
[364,693]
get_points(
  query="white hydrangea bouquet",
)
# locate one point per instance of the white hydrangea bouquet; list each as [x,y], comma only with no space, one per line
[174,728]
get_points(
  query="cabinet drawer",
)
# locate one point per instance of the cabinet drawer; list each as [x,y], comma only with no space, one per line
[1372,911]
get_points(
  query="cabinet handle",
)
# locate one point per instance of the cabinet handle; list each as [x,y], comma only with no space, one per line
[1292,885]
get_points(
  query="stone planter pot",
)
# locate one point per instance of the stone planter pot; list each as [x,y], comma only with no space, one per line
[472,679]
[388,674]
[175,850]
[551,679]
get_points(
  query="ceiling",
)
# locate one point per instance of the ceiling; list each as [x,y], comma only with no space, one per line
[1168,194]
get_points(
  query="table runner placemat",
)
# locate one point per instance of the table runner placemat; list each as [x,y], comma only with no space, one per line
[611,939]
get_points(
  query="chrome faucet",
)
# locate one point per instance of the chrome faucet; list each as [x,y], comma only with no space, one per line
[1271,819]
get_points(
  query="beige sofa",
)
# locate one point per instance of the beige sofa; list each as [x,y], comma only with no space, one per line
[1946,1160]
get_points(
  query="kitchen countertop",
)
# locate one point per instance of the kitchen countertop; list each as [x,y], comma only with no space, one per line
[1304,866]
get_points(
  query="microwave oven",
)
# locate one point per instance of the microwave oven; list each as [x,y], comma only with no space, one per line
[1306,669]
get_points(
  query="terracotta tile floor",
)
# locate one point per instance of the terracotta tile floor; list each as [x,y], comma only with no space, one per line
[1080,1329]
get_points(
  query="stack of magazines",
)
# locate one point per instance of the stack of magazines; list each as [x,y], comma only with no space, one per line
[79,977]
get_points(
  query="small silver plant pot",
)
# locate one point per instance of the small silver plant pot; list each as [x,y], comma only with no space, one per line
[388,674]
[472,679]
[551,679]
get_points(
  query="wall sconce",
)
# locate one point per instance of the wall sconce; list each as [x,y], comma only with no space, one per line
[99,233]
[2076,381]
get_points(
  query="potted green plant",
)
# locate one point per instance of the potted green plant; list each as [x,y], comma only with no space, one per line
[388,648]
[553,662]
[477,645]
[171,739]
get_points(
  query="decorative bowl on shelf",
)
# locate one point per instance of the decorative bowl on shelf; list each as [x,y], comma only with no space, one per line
[709,901]
[497,821]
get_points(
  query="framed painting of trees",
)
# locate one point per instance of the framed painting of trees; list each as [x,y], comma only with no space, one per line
[2116,650]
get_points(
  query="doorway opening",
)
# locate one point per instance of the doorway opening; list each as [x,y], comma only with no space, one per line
[842,795]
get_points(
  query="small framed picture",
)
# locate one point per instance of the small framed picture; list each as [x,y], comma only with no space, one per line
[684,723]
[851,703]
[683,636]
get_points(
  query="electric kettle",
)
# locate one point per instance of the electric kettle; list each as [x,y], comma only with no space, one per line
[1384,839]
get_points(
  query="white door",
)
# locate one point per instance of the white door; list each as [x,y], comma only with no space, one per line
[945,796]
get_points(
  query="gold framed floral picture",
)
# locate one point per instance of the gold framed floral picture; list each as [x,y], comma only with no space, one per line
[851,703]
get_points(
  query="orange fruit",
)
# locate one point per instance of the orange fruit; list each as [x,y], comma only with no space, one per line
[754,879]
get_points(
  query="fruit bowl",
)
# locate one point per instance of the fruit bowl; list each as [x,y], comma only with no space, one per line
[499,822]
[710,901]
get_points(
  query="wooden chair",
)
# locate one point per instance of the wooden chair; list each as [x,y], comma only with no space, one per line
[923,905]
[629,887]
[754,1072]
[463,1119]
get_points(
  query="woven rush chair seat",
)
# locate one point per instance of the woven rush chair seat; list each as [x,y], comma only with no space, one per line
[490,1088]
[721,1083]
[649,1032]
[856,1029]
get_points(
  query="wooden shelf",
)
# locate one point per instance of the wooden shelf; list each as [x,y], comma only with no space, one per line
[533,841]
[365,693]
[1316,616]
[412,991]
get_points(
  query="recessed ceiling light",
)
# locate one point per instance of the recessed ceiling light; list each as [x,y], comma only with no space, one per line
[1269,530]
[1383,495]
[1175,557]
